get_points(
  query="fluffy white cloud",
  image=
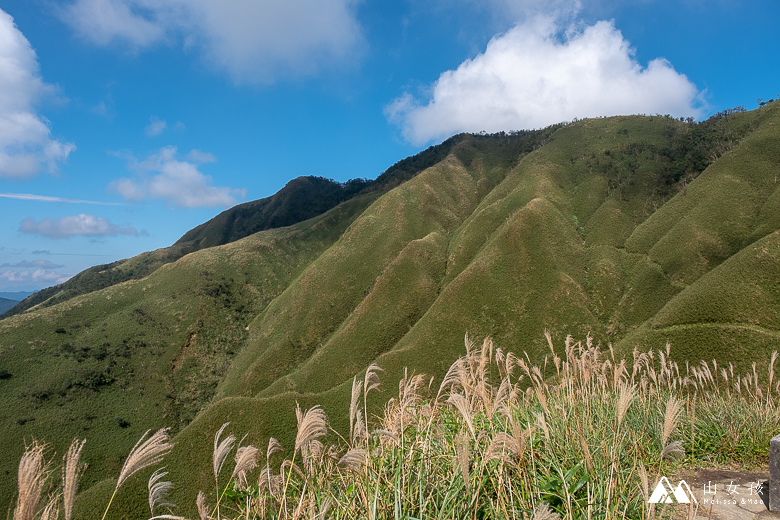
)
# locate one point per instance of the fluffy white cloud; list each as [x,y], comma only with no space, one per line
[104,21]
[26,146]
[76,225]
[37,276]
[252,41]
[535,75]
[179,183]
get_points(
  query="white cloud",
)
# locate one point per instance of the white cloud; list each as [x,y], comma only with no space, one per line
[201,157]
[76,225]
[107,21]
[40,264]
[37,276]
[535,75]
[26,146]
[179,183]
[48,198]
[155,127]
[252,41]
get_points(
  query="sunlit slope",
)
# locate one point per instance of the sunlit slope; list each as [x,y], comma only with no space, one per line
[364,293]
[731,313]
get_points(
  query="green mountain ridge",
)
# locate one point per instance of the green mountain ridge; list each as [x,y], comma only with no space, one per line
[633,230]
[301,198]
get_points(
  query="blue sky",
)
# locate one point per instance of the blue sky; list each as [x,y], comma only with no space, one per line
[125,123]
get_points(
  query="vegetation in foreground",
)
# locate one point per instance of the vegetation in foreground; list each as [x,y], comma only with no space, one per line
[582,436]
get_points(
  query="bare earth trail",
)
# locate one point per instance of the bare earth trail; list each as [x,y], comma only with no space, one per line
[725,494]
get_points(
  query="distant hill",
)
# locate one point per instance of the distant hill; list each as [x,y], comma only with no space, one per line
[6,304]
[632,231]
[17,296]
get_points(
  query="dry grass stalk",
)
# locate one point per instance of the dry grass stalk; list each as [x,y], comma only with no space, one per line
[71,472]
[158,490]
[246,461]
[52,509]
[673,450]
[509,448]
[200,502]
[324,509]
[462,457]
[462,406]
[673,410]
[586,454]
[542,423]
[644,481]
[221,450]
[32,478]
[311,426]
[543,512]
[270,481]
[357,387]
[273,447]
[372,378]
[626,395]
[354,460]
[145,453]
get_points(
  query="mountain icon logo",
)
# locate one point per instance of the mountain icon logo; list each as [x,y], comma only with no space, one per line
[664,493]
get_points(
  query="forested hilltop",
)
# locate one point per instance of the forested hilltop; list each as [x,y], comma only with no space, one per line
[634,231]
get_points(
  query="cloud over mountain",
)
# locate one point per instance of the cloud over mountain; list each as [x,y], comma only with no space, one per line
[540,73]
[178,183]
[26,145]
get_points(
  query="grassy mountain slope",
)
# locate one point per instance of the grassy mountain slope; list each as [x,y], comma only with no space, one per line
[301,199]
[144,353]
[634,230]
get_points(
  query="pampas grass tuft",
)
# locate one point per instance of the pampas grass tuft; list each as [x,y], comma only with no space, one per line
[32,477]
[71,472]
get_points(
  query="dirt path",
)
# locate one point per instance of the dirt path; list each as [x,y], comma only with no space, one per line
[724,494]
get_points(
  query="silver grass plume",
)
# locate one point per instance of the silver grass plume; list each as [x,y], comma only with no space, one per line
[311,426]
[158,490]
[52,510]
[462,406]
[273,447]
[543,512]
[31,477]
[145,453]
[71,472]
[203,510]
[673,450]
[354,460]
[221,450]
[246,461]
[626,394]
[673,410]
